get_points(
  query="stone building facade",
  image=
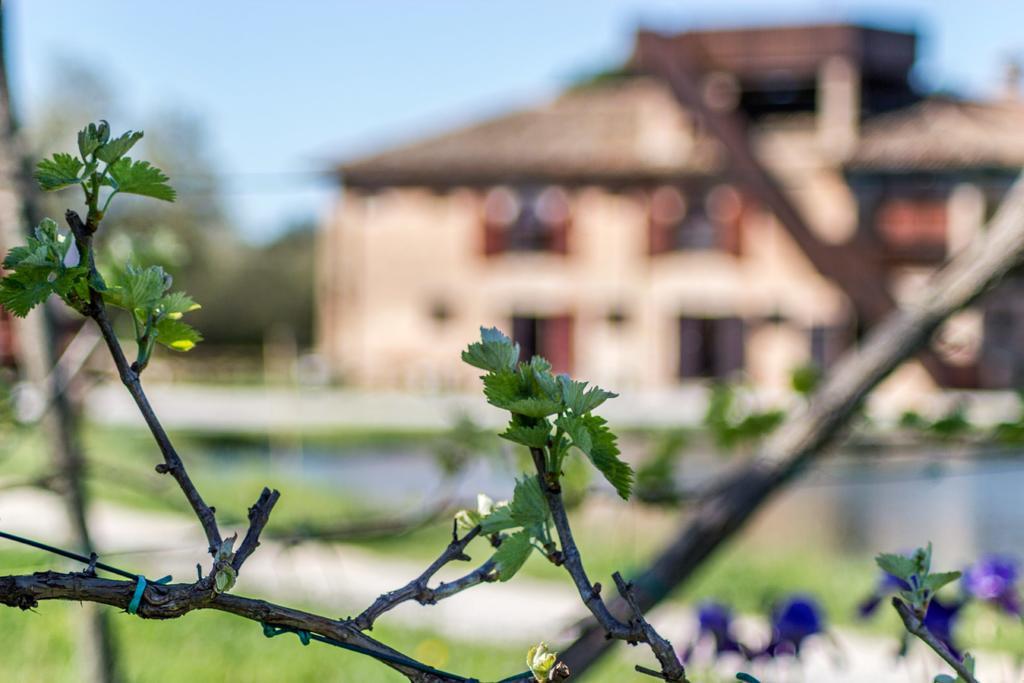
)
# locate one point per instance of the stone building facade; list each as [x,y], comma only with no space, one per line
[606,231]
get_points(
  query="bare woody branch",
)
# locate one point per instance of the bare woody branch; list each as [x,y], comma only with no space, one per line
[636,630]
[175,600]
[419,590]
[129,375]
[916,627]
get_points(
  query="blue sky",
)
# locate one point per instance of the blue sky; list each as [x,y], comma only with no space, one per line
[287,87]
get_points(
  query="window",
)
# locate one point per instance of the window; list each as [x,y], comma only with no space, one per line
[710,347]
[827,342]
[550,337]
[913,226]
[1001,359]
[526,220]
[678,222]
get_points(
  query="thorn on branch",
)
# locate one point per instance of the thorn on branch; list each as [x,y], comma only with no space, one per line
[91,569]
[164,468]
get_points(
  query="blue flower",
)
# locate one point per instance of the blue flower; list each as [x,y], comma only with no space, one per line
[793,621]
[993,579]
[715,621]
[940,620]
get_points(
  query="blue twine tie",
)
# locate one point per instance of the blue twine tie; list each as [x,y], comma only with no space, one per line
[271,631]
[140,588]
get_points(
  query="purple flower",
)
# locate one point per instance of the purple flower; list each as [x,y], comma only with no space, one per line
[715,621]
[793,621]
[940,620]
[993,579]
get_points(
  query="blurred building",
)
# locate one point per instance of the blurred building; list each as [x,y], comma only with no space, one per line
[604,230]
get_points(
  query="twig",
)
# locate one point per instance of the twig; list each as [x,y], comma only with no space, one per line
[419,590]
[638,630]
[916,626]
[662,649]
[129,375]
[259,515]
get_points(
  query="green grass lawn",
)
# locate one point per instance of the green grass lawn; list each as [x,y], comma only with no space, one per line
[749,574]
[39,645]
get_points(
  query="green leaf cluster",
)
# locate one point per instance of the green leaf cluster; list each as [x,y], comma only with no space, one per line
[541,660]
[156,312]
[102,162]
[548,413]
[915,570]
[39,269]
[526,517]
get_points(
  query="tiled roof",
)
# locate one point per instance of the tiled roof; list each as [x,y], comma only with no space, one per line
[943,133]
[634,129]
[620,130]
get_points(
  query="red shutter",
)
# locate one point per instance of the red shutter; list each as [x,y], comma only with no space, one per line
[556,342]
[659,237]
[666,209]
[913,223]
[560,237]
[6,339]
[494,238]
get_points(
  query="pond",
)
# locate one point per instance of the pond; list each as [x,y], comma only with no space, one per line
[966,501]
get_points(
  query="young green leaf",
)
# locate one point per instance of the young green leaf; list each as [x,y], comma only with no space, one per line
[494,352]
[176,304]
[92,136]
[898,565]
[537,373]
[466,520]
[225,578]
[139,177]
[602,449]
[506,389]
[139,289]
[933,582]
[113,150]
[39,270]
[541,660]
[499,519]
[528,506]
[177,335]
[60,170]
[512,554]
[20,293]
[534,436]
[578,399]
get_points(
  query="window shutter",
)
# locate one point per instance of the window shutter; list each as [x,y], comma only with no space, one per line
[556,342]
